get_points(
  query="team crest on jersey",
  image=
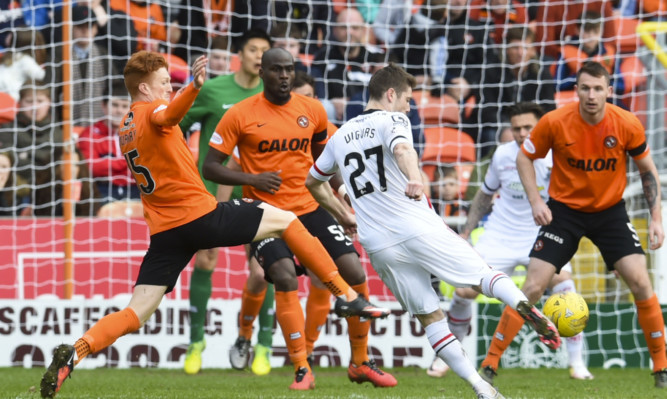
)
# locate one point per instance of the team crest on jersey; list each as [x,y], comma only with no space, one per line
[610,142]
[538,245]
[302,121]
[129,118]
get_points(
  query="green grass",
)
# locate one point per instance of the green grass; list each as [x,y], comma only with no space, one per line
[331,383]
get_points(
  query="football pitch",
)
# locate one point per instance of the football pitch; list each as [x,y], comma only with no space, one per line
[330,383]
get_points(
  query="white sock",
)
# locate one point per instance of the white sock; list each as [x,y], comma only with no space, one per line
[498,285]
[449,349]
[575,345]
[459,316]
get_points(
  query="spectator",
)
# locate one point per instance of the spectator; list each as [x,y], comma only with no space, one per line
[11,19]
[148,21]
[412,42]
[115,31]
[22,62]
[34,135]
[289,39]
[91,68]
[98,145]
[445,192]
[50,184]
[460,52]
[358,101]
[392,15]
[304,84]
[13,190]
[219,57]
[498,14]
[587,46]
[196,22]
[558,20]
[340,68]
[520,78]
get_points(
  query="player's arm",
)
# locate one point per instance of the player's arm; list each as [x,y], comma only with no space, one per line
[541,212]
[215,171]
[173,113]
[651,186]
[321,191]
[480,206]
[408,162]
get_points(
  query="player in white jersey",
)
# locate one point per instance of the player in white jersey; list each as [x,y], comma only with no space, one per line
[404,238]
[509,234]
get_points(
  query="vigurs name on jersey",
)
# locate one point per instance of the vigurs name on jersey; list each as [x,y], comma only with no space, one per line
[360,134]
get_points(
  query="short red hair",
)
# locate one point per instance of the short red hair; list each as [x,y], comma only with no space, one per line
[140,65]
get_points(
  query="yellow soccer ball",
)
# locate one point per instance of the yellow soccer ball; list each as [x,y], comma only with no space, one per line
[568,311]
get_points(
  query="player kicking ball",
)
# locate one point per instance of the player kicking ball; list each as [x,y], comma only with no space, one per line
[406,240]
[182,216]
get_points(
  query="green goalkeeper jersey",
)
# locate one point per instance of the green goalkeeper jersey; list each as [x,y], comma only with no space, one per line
[216,96]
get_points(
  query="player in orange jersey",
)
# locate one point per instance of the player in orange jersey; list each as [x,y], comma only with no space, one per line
[182,216]
[590,141]
[277,133]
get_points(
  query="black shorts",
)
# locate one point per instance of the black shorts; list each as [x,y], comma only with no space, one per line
[321,225]
[610,230]
[229,224]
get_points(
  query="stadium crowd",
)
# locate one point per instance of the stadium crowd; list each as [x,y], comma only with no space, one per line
[472,59]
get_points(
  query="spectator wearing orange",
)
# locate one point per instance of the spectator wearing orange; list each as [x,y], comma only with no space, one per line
[197,22]
[148,21]
[501,14]
[557,20]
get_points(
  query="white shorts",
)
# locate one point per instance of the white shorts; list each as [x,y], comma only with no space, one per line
[504,253]
[406,268]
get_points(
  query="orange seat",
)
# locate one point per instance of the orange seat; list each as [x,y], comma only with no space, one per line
[7,108]
[178,68]
[448,145]
[627,38]
[234,63]
[633,73]
[436,110]
[565,97]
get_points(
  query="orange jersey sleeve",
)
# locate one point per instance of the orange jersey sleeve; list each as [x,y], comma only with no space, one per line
[172,192]
[273,138]
[589,161]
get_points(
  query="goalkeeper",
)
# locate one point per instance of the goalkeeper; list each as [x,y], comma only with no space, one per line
[590,142]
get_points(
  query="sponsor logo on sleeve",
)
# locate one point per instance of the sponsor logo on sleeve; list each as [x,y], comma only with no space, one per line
[216,139]
[160,108]
[399,120]
[529,146]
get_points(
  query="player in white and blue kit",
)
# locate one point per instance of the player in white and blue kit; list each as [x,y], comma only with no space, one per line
[510,231]
[406,240]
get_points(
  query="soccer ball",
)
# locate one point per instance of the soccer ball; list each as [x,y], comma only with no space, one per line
[568,311]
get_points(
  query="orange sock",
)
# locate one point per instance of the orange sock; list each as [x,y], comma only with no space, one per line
[652,322]
[508,327]
[357,330]
[106,331]
[290,317]
[311,254]
[250,307]
[317,311]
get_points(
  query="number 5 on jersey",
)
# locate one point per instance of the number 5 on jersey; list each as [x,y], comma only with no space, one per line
[130,158]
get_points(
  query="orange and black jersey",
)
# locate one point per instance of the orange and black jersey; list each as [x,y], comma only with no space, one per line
[273,138]
[589,161]
[172,192]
